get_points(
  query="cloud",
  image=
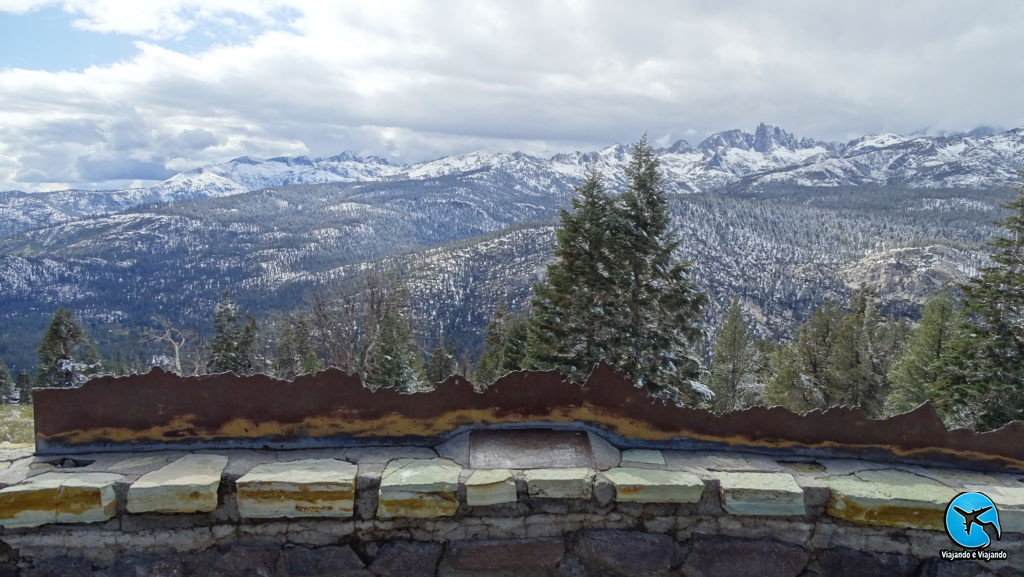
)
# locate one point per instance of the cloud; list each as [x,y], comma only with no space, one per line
[93,169]
[414,80]
[193,139]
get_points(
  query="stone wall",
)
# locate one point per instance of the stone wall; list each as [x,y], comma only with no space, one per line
[415,511]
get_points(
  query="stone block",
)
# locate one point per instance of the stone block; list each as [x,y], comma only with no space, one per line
[513,556]
[148,566]
[646,456]
[406,559]
[367,488]
[419,488]
[239,561]
[853,563]
[29,504]
[891,498]
[655,486]
[59,498]
[303,488]
[490,487]
[629,553]
[606,455]
[573,483]
[188,485]
[61,567]
[333,561]
[718,556]
[760,494]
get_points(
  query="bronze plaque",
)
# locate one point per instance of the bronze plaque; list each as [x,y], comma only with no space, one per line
[529,449]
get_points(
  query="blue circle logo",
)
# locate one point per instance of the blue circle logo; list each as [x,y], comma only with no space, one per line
[972,521]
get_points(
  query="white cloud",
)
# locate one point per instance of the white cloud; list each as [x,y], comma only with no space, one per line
[417,79]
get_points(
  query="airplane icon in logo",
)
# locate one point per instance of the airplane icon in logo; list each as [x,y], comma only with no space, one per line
[967,510]
[972,519]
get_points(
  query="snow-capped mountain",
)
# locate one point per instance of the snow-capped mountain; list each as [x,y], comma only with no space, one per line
[729,161]
[247,173]
[768,157]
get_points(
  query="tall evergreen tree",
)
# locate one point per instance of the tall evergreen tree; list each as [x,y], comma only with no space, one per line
[914,374]
[8,390]
[489,365]
[838,359]
[67,358]
[857,370]
[396,364]
[442,362]
[656,319]
[802,376]
[572,310]
[505,347]
[233,347]
[982,381]
[734,363]
[295,352]
[23,383]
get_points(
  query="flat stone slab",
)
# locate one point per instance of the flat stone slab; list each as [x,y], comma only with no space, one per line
[646,456]
[59,498]
[655,486]
[188,485]
[890,497]
[1009,501]
[575,483]
[143,462]
[301,488]
[529,449]
[419,488]
[774,494]
[490,487]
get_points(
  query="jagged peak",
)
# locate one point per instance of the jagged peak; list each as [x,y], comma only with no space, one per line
[679,147]
[734,138]
[768,137]
[245,160]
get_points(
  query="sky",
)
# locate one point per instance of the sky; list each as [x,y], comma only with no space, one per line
[117,93]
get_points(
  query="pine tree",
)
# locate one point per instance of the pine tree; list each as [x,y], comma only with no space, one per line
[734,363]
[295,353]
[67,358]
[396,364]
[442,362]
[914,374]
[857,371]
[506,346]
[838,359]
[658,308]
[233,348]
[465,368]
[489,365]
[8,390]
[23,384]
[802,370]
[982,380]
[572,310]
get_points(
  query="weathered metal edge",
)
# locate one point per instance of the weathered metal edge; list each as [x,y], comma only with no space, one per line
[160,410]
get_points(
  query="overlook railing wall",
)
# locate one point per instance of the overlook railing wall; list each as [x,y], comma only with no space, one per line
[160,410]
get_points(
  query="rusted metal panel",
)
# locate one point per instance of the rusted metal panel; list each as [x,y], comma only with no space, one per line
[160,409]
[529,449]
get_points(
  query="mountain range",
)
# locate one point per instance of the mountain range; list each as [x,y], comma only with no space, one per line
[784,223]
[731,161]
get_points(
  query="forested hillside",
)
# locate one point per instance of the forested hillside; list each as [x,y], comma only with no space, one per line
[781,252]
